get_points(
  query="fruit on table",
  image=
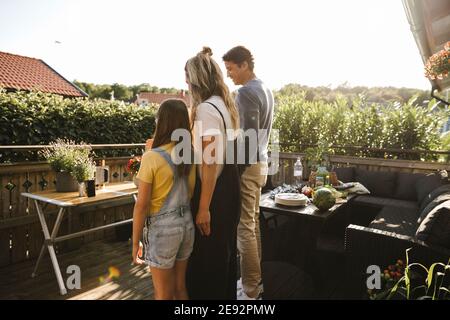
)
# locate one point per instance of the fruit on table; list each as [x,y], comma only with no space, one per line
[323,199]
[307,191]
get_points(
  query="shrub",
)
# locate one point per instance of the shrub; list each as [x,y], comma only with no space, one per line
[37,118]
[408,126]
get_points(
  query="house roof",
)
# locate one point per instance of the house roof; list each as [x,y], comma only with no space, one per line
[430,25]
[24,73]
[158,98]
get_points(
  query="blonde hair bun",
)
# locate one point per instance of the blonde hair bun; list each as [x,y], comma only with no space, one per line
[207,51]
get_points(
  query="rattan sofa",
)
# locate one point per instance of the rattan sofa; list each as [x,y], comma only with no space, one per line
[404,210]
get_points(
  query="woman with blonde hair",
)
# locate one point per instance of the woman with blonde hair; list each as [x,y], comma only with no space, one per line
[212,269]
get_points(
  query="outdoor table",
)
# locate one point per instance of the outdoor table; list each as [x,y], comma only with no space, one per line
[309,211]
[296,239]
[65,201]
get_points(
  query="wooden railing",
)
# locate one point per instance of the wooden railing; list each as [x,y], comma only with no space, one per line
[21,237]
[286,165]
[385,153]
[20,232]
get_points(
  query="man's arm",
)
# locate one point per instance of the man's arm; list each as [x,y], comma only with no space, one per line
[249,109]
[248,106]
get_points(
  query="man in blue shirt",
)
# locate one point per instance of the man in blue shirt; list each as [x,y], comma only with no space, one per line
[255,104]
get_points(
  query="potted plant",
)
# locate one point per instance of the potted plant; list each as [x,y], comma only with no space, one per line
[316,157]
[83,171]
[64,156]
[438,65]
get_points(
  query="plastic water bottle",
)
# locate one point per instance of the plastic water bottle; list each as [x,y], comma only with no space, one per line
[298,172]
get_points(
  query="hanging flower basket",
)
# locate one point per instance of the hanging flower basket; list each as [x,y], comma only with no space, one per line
[438,65]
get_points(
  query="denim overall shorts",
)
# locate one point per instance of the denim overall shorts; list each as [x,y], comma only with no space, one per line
[169,233]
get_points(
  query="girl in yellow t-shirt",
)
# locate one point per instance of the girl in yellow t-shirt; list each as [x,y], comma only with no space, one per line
[162,214]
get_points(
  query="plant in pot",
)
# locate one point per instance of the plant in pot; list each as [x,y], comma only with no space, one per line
[83,172]
[316,157]
[63,155]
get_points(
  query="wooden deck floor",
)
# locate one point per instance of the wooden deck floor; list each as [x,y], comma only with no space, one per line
[94,259]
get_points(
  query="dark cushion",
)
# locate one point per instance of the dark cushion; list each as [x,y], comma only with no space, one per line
[435,228]
[398,220]
[430,182]
[433,204]
[433,194]
[371,201]
[379,183]
[345,174]
[403,189]
[283,281]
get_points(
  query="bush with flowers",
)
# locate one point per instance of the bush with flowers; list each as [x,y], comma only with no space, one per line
[438,65]
[134,164]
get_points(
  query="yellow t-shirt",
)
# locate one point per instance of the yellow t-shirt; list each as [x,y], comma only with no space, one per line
[155,170]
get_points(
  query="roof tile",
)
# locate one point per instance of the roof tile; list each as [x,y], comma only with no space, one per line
[19,72]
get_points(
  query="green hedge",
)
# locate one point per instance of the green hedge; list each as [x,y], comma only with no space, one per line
[37,118]
[407,126]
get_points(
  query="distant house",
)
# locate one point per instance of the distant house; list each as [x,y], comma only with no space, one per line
[146,98]
[24,73]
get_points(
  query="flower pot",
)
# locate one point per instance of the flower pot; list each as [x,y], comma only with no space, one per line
[81,189]
[65,182]
[90,188]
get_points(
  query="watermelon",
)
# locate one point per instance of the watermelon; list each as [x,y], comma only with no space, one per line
[323,199]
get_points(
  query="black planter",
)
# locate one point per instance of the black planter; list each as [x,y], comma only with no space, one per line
[90,188]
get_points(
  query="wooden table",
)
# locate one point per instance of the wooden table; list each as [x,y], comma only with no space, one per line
[65,201]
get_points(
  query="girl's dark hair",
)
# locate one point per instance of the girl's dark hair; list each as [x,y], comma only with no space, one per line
[238,55]
[173,114]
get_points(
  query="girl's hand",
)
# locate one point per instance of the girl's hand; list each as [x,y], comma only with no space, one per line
[148,144]
[137,254]
[203,221]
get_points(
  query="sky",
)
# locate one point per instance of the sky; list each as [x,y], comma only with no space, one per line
[309,42]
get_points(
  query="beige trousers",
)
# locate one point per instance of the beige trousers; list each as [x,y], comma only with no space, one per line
[249,239]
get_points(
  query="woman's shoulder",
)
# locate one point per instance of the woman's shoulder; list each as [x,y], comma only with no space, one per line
[156,153]
[151,156]
[205,108]
[217,101]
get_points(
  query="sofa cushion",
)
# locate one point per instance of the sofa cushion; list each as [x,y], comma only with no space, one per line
[430,182]
[372,201]
[395,219]
[433,194]
[403,188]
[345,174]
[433,204]
[379,183]
[435,228]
